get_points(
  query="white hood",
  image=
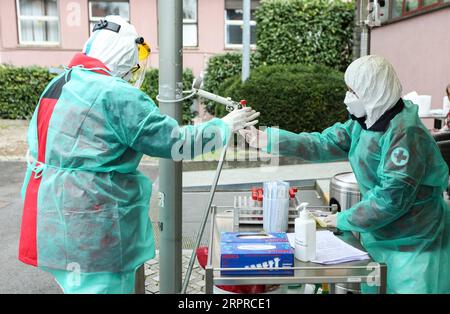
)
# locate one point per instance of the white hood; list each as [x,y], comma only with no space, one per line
[376,84]
[118,51]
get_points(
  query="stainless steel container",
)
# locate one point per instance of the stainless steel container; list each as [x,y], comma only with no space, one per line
[344,192]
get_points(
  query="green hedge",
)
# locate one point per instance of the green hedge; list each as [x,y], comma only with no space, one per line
[306,32]
[21,87]
[220,68]
[150,87]
[294,97]
[291,32]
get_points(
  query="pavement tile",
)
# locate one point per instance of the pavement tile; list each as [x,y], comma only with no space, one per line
[196,283]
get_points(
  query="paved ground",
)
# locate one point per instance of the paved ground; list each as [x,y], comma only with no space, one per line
[13,139]
[16,277]
[196,283]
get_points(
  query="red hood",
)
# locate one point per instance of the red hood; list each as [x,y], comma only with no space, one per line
[88,63]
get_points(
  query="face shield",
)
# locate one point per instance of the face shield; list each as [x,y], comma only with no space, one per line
[117,44]
[136,75]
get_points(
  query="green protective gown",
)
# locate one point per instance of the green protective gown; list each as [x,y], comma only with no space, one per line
[402,217]
[93,203]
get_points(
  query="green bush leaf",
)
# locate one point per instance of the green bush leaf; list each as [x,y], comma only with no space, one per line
[21,88]
[297,98]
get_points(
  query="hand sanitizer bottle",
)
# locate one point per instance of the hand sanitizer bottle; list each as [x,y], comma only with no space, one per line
[305,235]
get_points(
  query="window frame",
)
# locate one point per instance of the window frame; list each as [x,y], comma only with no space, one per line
[421,9]
[405,13]
[192,22]
[93,19]
[235,23]
[43,18]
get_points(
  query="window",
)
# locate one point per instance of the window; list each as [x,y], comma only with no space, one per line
[384,11]
[234,23]
[397,8]
[38,22]
[411,5]
[190,38]
[426,3]
[401,8]
[100,9]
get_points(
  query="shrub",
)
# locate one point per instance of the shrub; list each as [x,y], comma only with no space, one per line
[150,87]
[294,97]
[220,68]
[21,88]
[291,32]
[306,32]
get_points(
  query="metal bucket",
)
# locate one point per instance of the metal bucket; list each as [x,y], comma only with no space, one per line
[344,192]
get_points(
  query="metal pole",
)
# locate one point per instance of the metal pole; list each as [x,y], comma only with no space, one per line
[206,212]
[365,40]
[357,31]
[170,19]
[140,281]
[365,29]
[209,271]
[383,279]
[246,41]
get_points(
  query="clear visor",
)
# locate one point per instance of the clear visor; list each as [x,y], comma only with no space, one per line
[138,71]
[138,74]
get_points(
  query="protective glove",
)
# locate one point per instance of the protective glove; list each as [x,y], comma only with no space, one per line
[255,138]
[241,118]
[331,220]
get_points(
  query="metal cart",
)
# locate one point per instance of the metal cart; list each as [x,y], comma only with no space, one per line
[223,219]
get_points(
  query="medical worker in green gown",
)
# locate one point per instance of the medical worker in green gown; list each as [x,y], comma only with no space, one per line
[86,207]
[402,216]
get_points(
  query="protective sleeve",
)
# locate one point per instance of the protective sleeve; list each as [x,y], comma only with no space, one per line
[332,144]
[138,123]
[403,160]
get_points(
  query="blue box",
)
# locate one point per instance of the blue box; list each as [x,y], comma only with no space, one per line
[253,237]
[264,256]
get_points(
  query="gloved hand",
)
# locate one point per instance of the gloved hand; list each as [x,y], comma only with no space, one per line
[241,118]
[255,138]
[331,220]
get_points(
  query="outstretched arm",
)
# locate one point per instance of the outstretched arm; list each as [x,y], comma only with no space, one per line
[139,124]
[332,144]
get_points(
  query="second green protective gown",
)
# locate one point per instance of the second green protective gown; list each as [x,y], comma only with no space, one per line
[402,217]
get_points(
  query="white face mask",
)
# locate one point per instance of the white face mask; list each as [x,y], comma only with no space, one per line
[354,105]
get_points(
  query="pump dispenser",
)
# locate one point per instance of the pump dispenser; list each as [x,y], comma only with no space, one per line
[305,235]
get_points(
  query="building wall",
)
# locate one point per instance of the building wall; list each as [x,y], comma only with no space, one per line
[419,49]
[74,32]
[211,37]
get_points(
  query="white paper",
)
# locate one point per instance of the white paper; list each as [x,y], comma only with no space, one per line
[332,250]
